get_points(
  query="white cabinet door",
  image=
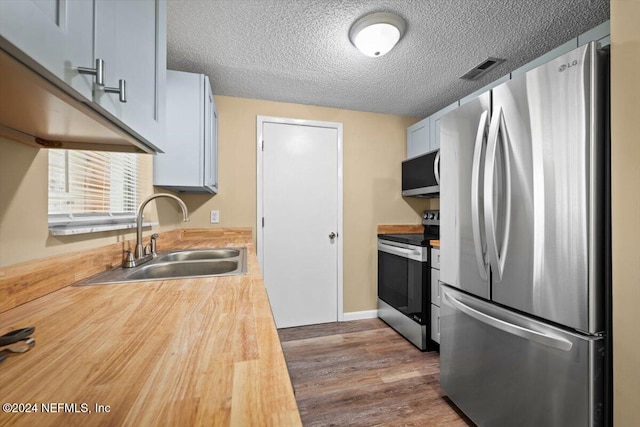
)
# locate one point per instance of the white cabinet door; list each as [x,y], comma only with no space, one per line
[435,323]
[418,138]
[210,139]
[600,34]
[485,89]
[434,125]
[213,151]
[190,158]
[131,39]
[435,287]
[55,34]
[435,258]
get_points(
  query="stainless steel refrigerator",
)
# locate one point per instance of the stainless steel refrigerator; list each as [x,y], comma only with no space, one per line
[523,259]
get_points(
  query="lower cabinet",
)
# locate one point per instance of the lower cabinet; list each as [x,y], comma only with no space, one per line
[190,159]
[435,323]
[435,287]
[435,294]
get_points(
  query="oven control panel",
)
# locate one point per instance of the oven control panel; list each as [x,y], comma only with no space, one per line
[431,218]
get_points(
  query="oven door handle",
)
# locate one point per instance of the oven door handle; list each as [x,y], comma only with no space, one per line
[395,250]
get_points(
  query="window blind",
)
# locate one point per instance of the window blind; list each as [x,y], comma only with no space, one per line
[93,184]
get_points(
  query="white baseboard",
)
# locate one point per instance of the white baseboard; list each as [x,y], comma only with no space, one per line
[358,315]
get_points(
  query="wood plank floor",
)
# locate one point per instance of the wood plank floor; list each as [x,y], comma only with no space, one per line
[363,373]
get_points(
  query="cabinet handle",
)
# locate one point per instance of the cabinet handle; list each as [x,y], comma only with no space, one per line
[121,90]
[98,71]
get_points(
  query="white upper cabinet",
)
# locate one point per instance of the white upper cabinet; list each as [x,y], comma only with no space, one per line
[55,34]
[108,54]
[190,159]
[131,39]
[211,140]
[418,138]
[434,125]
[424,136]
[600,34]
[484,89]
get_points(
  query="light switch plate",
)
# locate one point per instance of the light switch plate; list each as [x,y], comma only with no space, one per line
[215,217]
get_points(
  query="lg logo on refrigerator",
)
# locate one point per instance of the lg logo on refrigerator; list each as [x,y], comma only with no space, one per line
[564,67]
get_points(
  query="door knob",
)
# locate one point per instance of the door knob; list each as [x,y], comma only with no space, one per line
[332,235]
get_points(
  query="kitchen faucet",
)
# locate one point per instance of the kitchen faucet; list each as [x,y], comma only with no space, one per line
[139,253]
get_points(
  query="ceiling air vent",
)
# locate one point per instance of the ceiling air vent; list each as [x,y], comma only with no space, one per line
[482,68]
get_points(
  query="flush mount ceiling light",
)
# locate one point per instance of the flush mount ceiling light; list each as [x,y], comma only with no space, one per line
[376,34]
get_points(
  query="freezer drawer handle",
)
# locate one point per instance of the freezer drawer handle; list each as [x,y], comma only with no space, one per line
[525,333]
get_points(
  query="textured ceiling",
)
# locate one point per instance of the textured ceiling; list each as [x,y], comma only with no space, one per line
[299,50]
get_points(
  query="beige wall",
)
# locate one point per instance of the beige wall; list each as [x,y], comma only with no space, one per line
[374,146]
[625,152]
[24,235]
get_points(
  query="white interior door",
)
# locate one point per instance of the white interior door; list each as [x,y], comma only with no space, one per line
[300,207]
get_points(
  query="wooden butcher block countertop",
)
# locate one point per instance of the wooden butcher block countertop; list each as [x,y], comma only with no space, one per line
[182,352]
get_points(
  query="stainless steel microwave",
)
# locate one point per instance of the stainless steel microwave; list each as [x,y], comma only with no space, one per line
[421,175]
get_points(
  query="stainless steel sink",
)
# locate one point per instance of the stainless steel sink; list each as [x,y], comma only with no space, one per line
[164,270]
[178,265]
[200,254]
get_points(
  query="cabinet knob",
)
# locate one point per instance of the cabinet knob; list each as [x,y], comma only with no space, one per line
[121,90]
[332,235]
[98,71]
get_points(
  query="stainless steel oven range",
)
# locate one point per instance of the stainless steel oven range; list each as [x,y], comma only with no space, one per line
[404,281]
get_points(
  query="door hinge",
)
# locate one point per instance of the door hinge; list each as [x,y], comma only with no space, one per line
[263,145]
[262,222]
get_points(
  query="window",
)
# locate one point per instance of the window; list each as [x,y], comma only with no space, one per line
[93,191]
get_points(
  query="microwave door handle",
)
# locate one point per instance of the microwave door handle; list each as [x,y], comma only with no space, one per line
[497,258]
[478,243]
[436,168]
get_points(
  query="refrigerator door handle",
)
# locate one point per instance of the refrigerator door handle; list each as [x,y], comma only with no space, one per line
[497,258]
[478,241]
[436,168]
[529,334]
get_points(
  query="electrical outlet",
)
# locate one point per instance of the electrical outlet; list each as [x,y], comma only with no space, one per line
[215,217]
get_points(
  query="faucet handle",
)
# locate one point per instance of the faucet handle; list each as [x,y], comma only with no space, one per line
[129,260]
[154,247]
